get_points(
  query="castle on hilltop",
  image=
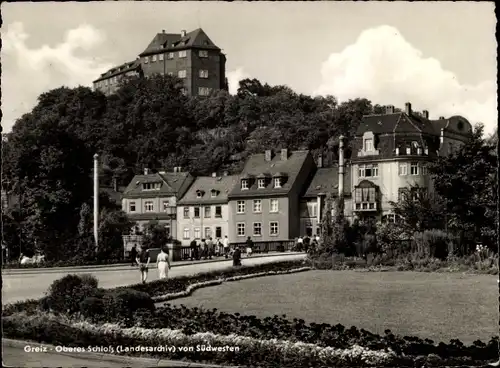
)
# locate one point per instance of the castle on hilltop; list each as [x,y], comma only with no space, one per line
[192,57]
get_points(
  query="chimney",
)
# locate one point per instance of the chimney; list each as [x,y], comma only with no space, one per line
[320,160]
[146,171]
[284,154]
[269,155]
[426,114]
[214,175]
[441,118]
[162,31]
[115,185]
[225,173]
[389,109]
[341,167]
[408,108]
[183,33]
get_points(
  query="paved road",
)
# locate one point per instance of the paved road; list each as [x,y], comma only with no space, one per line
[14,355]
[20,286]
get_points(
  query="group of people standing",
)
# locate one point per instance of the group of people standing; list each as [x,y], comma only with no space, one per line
[206,249]
[306,244]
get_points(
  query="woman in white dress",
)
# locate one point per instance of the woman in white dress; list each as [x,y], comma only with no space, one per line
[163,264]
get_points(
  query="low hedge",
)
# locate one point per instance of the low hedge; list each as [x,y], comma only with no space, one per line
[68,263]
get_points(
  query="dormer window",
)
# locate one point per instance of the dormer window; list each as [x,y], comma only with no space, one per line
[408,150]
[151,186]
[261,183]
[369,145]
[244,184]
[214,193]
[277,182]
[199,193]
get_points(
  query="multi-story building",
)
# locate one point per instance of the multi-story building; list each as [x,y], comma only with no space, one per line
[203,211]
[153,197]
[264,203]
[313,202]
[390,153]
[192,57]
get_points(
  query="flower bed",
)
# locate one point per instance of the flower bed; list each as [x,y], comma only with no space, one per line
[68,263]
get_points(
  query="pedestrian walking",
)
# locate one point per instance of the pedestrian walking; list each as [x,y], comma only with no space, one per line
[194,250]
[163,264]
[143,260]
[226,246]
[249,244]
[237,257]
[210,248]
[203,247]
[133,255]
[217,247]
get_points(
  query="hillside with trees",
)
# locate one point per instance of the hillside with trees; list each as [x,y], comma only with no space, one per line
[47,158]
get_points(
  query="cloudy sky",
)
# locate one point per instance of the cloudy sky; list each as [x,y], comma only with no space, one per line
[441,56]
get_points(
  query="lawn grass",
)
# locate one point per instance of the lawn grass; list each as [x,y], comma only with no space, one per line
[439,306]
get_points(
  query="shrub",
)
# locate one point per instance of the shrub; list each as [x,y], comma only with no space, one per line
[92,307]
[122,304]
[66,294]
[432,243]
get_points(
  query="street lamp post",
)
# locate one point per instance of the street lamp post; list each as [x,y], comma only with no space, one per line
[96,201]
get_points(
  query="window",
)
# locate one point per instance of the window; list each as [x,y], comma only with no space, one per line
[160,57]
[171,74]
[148,206]
[165,206]
[403,169]
[208,232]
[197,212]
[414,168]
[273,228]
[182,54]
[241,207]
[218,232]
[208,212]
[261,183]
[257,229]
[185,233]
[368,145]
[170,55]
[153,58]
[181,74]
[203,73]
[186,212]
[240,228]
[204,91]
[213,193]
[313,209]
[199,194]
[423,169]
[151,186]
[146,60]
[273,205]
[203,53]
[244,184]
[365,195]
[277,182]
[132,207]
[408,150]
[257,206]
[368,171]
[218,211]
[197,234]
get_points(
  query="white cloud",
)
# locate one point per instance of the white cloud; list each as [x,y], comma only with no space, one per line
[383,67]
[233,78]
[28,72]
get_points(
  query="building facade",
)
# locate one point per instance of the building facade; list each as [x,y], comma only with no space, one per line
[391,153]
[203,211]
[153,197]
[192,57]
[264,203]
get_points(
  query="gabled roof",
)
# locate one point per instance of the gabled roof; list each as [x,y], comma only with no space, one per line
[171,184]
[398,122]
[221,184]
[172,41]
[326,180]
[117,70]
[257,165]
[114,196]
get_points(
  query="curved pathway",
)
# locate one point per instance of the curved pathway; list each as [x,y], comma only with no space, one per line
[32,284]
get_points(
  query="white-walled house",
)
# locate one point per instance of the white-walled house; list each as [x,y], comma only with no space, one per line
[203,211]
